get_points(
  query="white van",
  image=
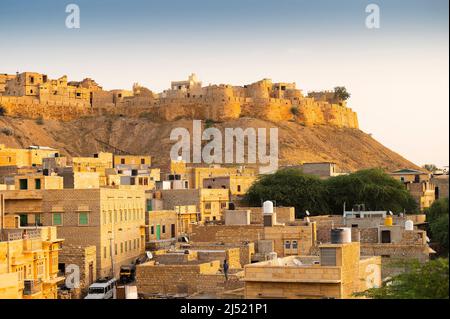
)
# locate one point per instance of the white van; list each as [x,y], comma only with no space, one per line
[102,289]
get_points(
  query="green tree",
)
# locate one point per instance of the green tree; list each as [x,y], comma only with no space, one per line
[290,187]
[419,281]
[372,187]
[437,216]
[340,93]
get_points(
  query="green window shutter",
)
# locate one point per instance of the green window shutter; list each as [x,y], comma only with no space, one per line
[83,219]
[149,205]
[57,219]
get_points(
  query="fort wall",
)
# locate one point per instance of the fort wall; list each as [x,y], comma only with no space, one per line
[32,95]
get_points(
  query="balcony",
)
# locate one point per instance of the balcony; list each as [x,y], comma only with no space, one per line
[32,287]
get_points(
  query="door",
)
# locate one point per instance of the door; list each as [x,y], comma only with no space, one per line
[91,274]
[172,230]
[23,220]
[158,232]
[385,236]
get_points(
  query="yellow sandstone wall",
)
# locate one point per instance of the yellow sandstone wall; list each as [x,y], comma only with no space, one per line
[219,104]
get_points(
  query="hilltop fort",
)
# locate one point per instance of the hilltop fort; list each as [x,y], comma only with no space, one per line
[34,95]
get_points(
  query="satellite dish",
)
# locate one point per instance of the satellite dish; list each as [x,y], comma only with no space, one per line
[307,213]
[149,254]
[390,213]
[297,262]
[428,239]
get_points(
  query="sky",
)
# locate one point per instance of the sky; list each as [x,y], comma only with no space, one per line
[397,74]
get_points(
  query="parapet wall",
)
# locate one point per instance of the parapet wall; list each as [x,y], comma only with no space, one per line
[30,107]
[218,104]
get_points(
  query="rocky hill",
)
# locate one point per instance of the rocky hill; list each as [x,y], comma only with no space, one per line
[351,149]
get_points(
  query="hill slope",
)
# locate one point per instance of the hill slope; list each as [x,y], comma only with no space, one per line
[351,149]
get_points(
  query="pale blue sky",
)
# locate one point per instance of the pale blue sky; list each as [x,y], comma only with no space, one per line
[397,75]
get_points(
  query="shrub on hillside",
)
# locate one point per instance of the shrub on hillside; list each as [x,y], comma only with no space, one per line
[7,131]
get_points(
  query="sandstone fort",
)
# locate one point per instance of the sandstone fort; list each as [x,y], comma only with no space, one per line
[34,95]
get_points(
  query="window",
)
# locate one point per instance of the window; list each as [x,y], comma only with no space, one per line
[207,205]
[110,217]
[21,272]
[37,219]
[121,248]
[152,230]
[142,160]
[223,205]
[122,161]
[149,205]
[40,268]
[104,252]
[37,183]
[287,244]
[294,244]
[115,249]
[239,188]
[164,229]
[328,256]
[83,219]
[23,220]
[23,183]
[57,219]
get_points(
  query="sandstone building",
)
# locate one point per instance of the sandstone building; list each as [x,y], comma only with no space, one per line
[338,272]
[28,260]
[111,220]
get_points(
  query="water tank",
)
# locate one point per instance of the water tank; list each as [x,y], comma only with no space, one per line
[268,207]
[388,221]
[341,235]
[409,225]
[272,256]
